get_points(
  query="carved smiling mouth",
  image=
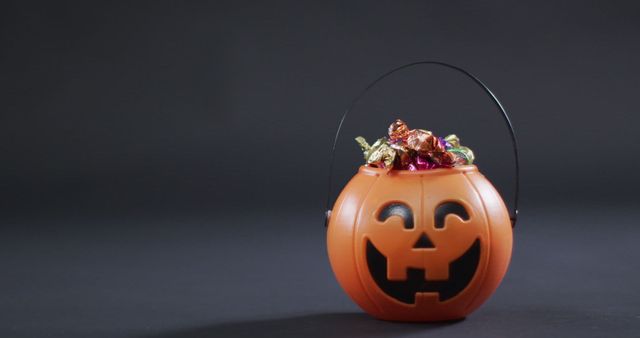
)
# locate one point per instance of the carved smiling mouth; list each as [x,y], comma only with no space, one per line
[461,271]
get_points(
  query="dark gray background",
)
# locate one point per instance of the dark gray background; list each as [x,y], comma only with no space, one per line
[164,164]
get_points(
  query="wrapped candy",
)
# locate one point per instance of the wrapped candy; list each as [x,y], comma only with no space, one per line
[415,149]
[424,142]
[463,155]
[382,157]
[423,163]
[403,156]
[380,154]
[444,160]
[364,146]
[398,131]
[453,140]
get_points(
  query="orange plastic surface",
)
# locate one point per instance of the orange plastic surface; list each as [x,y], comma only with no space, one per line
[355,221]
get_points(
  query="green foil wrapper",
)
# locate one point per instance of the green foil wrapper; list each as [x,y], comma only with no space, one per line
[463,155]
[469,153]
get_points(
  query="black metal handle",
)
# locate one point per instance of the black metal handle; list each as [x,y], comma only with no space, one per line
[514,141]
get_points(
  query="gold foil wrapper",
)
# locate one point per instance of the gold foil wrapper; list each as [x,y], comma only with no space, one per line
[362,142]
[380,154]
[453,140]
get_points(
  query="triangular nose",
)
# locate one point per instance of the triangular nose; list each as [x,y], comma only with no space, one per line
[423,242]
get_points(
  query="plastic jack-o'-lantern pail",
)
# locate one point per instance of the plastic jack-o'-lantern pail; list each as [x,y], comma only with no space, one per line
[429,245]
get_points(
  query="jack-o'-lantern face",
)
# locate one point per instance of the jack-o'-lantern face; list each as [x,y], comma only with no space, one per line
[422,239]
[419,246]
[414,264]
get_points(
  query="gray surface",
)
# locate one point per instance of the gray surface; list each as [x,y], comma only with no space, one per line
[574,273]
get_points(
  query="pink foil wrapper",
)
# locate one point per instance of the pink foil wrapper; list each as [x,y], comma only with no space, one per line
[423,163]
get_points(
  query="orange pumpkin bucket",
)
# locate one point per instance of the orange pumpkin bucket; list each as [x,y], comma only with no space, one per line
[429,245]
